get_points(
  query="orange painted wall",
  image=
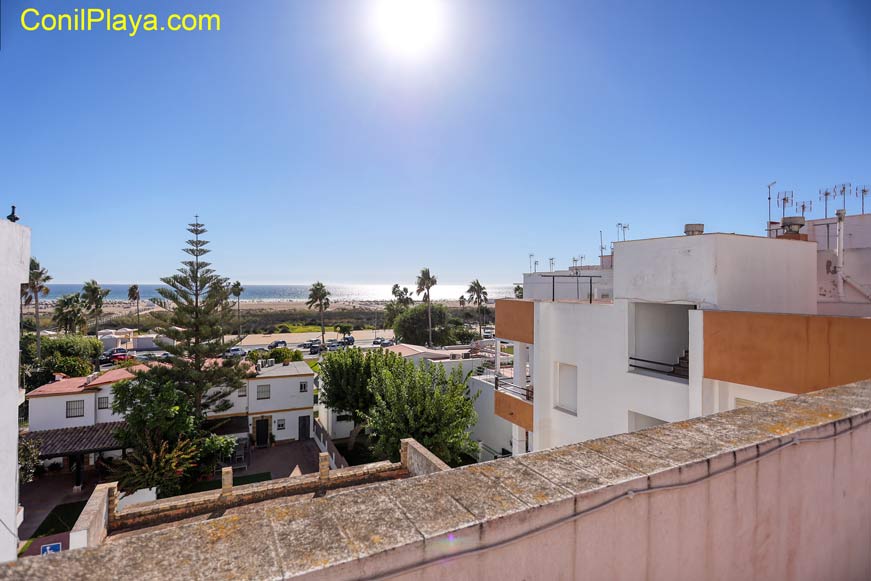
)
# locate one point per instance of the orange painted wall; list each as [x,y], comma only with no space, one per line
[515,320]
[513,409]
[791,353]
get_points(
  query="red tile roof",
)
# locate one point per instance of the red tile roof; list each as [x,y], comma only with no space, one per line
[73,385]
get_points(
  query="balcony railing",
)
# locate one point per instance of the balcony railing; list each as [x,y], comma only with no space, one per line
[523,392]
[679,369]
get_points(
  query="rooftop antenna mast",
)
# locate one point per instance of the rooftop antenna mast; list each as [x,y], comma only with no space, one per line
[601,247]
[825,195]
[550,260]
[769,202]
[784,199]
[535,266]
[862,192]
[842,190]
[625,228]
[581,259]
[531,256]
[574,262]
[805,206]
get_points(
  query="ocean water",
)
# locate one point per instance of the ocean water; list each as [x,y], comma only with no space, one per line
[297,292]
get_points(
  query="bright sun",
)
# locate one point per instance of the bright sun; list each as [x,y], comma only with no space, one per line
[410,31]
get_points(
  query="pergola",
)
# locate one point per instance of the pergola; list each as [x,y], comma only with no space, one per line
[74,443]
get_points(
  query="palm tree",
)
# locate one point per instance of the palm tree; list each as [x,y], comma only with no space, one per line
[70,313]
[133,295]
[478,296]
[462,301]
[93,294]
[236,289]
[425,282]
[35,288]
[319,296]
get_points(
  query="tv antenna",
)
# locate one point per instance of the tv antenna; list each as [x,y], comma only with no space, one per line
[550,260]
[842,190]
[862,192]
[622,228]
[784,199]
[574,261]
[825,195]
[807,206]
[601,247]
[535,266]
[531,256]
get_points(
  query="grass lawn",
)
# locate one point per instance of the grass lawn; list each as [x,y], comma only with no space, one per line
[60,519]
[313,363]
[237,481]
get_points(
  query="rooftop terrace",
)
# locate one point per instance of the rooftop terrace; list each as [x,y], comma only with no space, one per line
[777,490]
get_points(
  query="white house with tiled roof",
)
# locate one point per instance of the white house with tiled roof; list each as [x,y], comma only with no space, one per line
[72,402]
[277,401]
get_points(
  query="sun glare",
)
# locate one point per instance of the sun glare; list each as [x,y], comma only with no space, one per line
[410,31]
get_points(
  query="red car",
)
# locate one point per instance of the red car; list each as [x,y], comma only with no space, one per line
[126,356]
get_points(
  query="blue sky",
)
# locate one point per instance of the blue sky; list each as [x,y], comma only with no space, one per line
[309,155]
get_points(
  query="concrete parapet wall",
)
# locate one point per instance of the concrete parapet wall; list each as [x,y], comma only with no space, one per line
[774,491]
[93,523]
[418,460]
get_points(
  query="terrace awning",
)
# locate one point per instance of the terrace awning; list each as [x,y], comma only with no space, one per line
[81,440]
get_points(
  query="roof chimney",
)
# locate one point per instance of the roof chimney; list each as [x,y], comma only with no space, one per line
[694,229]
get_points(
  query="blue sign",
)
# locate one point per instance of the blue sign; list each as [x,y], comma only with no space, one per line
[50,548]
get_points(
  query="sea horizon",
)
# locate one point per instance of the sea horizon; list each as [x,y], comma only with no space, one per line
[293,292]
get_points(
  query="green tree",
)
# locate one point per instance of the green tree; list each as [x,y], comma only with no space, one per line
[158,464]
[133,295]
[478,296]
[28,460]
[425,282]
[319,296]
[198,308]
[94,296]
[423,323]
[345,379]
[283,355]
[35,287]
[402,295]
[71,313]
[424,403]
[236,289]
[518,291]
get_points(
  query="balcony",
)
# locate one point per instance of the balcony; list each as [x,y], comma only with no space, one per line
[515,320]
[513,402]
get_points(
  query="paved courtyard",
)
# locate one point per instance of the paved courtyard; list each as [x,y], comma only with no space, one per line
[46,492]
[285,459]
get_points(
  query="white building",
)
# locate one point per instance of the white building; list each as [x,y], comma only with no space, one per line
[277,402]
[698,324]
[14,269]
[578,283]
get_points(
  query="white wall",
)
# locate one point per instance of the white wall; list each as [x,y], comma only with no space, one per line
[284,394]
[50,412]
[14,268]
[330,421]
[595,339]
[719,271]
[106,415]
[490,430]
[658,332]
[539,286]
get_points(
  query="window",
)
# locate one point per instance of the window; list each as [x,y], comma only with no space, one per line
[76,408]
[345,418]
[303,386]
[315,397]
[280,425]
[103,403]
[263,391]
[567,388]
[243,391]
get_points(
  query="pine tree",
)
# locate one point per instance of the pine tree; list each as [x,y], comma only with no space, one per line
[200,312]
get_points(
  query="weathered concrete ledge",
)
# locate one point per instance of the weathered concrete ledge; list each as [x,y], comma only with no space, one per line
[777,490]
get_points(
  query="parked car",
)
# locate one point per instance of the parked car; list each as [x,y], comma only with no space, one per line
[234,352]
[126,356]
[387,343]
[277,344]
[333,347]
[348,340]
[107,356]
[377,341]
[315,349]
[305,345]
